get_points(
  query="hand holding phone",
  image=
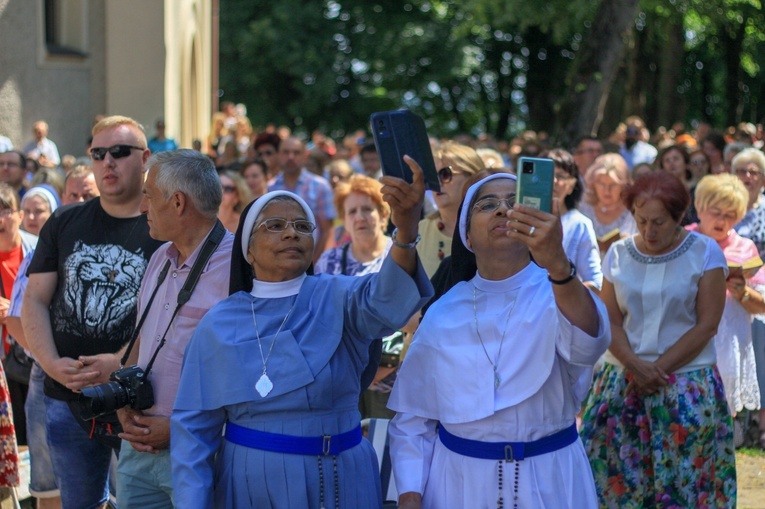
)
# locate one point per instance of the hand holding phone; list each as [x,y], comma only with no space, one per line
[399,133]
[535,183]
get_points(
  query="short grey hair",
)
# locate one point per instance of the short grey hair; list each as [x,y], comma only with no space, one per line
[747,156]
[191,173]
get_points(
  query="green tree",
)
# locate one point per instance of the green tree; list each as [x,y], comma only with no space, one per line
[496,66]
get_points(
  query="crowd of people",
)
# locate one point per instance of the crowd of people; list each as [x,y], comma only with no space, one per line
[273,291]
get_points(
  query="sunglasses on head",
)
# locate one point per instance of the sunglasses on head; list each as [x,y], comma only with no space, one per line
[116,151]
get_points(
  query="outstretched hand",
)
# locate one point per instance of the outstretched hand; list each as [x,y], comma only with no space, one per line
[405,200]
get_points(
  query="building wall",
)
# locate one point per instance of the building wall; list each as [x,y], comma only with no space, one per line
[135,61]
[188,79]
[64,91]
[143,58]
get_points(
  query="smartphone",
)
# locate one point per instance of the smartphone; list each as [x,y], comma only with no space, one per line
[535,183]
[399,133]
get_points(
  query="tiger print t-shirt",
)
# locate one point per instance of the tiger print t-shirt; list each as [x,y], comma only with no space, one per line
[100,261]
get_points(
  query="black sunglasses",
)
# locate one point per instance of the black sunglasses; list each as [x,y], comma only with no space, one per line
[446,174]
[116,151]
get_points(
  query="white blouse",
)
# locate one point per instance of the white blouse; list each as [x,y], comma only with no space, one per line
[581,246]
[657,294]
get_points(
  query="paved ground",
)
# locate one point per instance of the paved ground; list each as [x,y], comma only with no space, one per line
[750,472]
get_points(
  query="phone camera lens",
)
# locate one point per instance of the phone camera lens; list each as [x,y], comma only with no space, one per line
[528,167]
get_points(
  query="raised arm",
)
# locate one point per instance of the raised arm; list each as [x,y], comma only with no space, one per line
[545,244]
[405,202]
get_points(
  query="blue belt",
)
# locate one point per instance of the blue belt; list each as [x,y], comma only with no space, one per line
[326,445]
[508,451]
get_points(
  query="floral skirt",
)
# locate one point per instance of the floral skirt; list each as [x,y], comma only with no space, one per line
[9,456]
[673,448]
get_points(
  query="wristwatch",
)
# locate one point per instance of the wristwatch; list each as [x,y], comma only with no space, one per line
[746,295]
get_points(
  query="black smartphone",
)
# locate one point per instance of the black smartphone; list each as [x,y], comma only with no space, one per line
[535,182]
[399,133]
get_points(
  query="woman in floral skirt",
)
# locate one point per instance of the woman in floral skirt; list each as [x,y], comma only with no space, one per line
[656,425]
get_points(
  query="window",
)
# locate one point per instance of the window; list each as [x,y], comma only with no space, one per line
[65,27]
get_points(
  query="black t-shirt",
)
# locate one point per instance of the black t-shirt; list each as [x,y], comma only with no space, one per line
[100,261]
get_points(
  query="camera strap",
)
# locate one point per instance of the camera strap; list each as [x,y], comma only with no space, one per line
[211,244]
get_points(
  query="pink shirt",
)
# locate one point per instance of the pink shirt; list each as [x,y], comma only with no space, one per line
[211,288]
[737,249]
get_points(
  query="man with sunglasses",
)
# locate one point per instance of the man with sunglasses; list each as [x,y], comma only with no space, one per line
[80,306]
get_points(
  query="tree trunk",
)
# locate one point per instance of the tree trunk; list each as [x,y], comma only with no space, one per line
[544,78]
[732,40]
[597,64]
[670,65]
[636,69]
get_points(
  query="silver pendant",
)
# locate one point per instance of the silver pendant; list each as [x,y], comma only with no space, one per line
[264,386]
[496,379]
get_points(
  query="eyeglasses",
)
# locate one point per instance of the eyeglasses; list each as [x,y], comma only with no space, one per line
[116,151]
[562,177]
[490,204]
[7,213]
[229,189]
[278,225]
[446,174]
[743,172]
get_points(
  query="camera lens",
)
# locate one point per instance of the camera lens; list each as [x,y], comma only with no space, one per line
[528,167]
[102,399]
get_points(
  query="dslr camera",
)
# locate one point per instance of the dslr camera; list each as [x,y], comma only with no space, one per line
[127,387]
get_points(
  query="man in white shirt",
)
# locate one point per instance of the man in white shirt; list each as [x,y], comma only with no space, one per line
[635,150]
[43,150]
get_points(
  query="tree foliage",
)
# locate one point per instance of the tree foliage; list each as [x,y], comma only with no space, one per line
[494,66]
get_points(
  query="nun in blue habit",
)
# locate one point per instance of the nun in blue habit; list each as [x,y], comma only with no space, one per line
[267,409]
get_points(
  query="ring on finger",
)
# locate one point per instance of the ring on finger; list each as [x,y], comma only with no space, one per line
[532,230]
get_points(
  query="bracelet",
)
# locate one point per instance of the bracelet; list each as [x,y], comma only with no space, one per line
[396,243]
[571,276]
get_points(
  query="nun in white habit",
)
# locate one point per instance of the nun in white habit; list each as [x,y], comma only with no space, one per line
[489,390]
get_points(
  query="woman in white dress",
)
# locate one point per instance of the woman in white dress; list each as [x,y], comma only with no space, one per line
[721,203]
[488,393]
[579,240]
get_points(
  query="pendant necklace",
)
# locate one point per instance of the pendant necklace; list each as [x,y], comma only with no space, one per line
[264,384]
[494,365]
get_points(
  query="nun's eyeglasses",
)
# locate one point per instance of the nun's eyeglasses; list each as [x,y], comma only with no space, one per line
[278,225]
[490,204]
